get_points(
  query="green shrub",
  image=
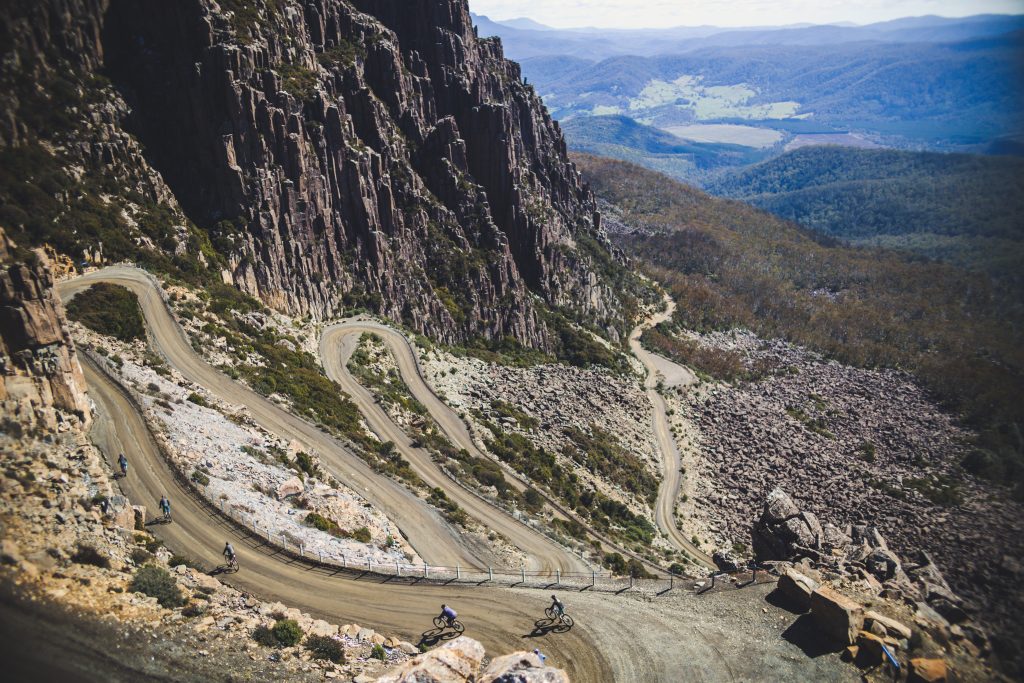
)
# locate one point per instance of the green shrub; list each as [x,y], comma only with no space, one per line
[287,632]
[157,583]
[141,557]
[109,309]
[86,554]
[264,636]
[318,521]
[177,559]
[194,610]
[198,400]
[378,653]
[325,647]
[362,534]
[200,477]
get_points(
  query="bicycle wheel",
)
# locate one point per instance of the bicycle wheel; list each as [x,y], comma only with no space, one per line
[439,622]
[549,612]
[567,620]
[458,626]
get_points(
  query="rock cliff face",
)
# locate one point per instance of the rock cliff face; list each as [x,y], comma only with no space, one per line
[41,382]
[366,152]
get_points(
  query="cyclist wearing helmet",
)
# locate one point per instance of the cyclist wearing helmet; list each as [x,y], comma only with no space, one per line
[557,607]
[229,552]
[448,614]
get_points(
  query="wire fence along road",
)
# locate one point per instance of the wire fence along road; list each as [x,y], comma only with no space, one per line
[363,567]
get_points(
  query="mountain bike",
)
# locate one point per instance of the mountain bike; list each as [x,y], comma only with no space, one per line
[561,617]
[441,623]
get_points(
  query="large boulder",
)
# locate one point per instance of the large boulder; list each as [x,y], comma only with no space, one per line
[922,670]
[838,617]
[521,667]
[783,532]
[457,661]
[291,487]
[892,627]
[797,588]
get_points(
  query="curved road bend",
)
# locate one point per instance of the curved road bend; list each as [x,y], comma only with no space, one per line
[337,344]
[604,645]
[496,616]
[436,541]
[674,375]
[339,341]
[430,535]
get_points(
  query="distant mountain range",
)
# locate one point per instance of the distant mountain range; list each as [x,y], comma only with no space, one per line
[525,38]
[690,101]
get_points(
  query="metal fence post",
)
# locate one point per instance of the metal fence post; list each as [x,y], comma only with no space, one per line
[344,561]
[321,554]
[458,572]
[671,581]
[490,574]
[426,569]
[558,576]
[302,550]
[630,580]
[369,565]
[398,569]
[593,578]
[522,573]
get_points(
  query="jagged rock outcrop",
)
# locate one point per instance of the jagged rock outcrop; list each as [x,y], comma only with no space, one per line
[460,661]
[41,382]
[340,153]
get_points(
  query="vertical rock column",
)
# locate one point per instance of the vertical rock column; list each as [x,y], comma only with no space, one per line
[41,381]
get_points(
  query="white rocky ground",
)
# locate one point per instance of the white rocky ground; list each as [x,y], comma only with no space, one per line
[243,463]
[750,443]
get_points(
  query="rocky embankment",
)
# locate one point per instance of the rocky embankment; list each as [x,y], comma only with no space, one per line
[237,465]
[551,401]
[862,596]
[856,447]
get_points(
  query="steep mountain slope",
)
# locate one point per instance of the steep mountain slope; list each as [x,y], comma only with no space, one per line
[319,154]
[962,208]
[729,265]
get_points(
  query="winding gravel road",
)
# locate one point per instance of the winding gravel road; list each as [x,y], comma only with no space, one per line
[660,369]
[436,541]
[337,344]
[717,637]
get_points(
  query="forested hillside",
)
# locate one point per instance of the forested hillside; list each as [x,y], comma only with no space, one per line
[730,265]
[965,209]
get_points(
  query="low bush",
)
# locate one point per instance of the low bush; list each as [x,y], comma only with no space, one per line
[194,610]
[325,647]
[86,554]
[362,534]
[287,632]
[109,309]
[157,583]
[141,557]
[378,653]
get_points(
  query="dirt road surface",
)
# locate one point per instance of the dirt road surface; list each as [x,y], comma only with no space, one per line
[436,541]
[336,347]
[733,635]
[660,369]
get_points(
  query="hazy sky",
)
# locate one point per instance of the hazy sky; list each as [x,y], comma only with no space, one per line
[665,13]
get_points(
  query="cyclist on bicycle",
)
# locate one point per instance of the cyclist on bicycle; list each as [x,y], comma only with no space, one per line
[165,507]
[123,463]
[557,607]
[229,552]
[449,615]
